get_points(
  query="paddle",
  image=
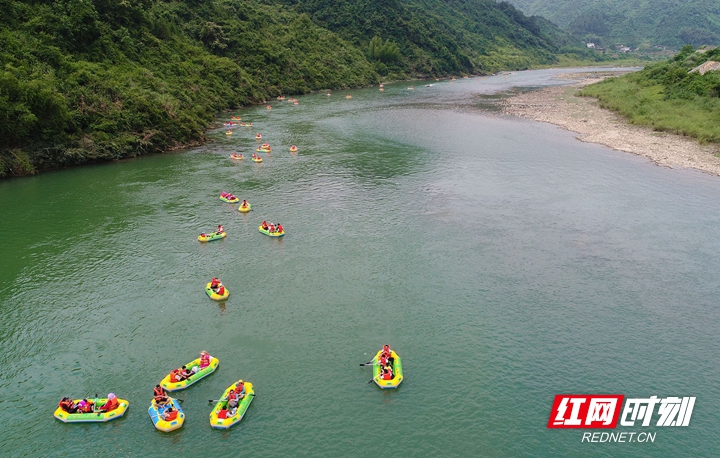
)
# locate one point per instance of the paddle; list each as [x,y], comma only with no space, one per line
[369,363]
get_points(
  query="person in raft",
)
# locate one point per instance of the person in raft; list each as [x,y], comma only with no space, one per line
[244,203]
[68,405]
[176,376]
[387,374]
[279,228]
[240,389]
[111,404]
[204,359]
[264,225]
[387,352]
[170,414]
[85,406]
[160,395]
[271,229]
[220,229]
[217,286]
[233,401]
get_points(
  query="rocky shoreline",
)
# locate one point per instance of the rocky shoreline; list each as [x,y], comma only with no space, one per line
[561,106]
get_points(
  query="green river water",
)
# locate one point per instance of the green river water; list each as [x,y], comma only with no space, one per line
[505,261]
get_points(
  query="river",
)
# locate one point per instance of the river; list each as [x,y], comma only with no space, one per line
[503,259]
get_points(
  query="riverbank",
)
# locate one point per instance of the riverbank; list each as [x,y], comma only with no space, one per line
[561,106]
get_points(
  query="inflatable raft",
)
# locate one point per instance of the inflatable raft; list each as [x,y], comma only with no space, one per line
[201,374]
[215,296]
[93,417]
[257,159]
[224,423]
[397,372]
[239,157]
[293,149]
[212,237]
[230,201]
[263,149]
[271,234]
[242,209]
[156,415]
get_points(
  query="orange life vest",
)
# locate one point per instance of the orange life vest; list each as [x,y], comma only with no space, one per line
[67,405]
[171,416]
[159,393]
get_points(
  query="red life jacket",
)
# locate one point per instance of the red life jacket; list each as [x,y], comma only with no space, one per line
[174,376]
[171,416]
[67,405]
[112,404]
[232,396]
[221,290]
[159,393]
[387,376]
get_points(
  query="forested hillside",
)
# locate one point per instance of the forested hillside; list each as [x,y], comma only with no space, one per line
[671,23]
[668,96]
[86,80]
[440,36]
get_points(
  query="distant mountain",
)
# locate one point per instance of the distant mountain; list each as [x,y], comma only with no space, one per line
[671,23]
[441,36]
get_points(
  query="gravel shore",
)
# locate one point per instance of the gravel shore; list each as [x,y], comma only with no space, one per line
[560,106]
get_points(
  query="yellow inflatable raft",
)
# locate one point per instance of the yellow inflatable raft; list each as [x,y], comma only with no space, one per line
[156,415]
[271,234]
[221,406]
[201,374]
[397,371]
[211,236]
[242,209]
[93,417]
[215,296]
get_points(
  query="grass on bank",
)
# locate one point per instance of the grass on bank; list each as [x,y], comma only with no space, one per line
[666,97]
